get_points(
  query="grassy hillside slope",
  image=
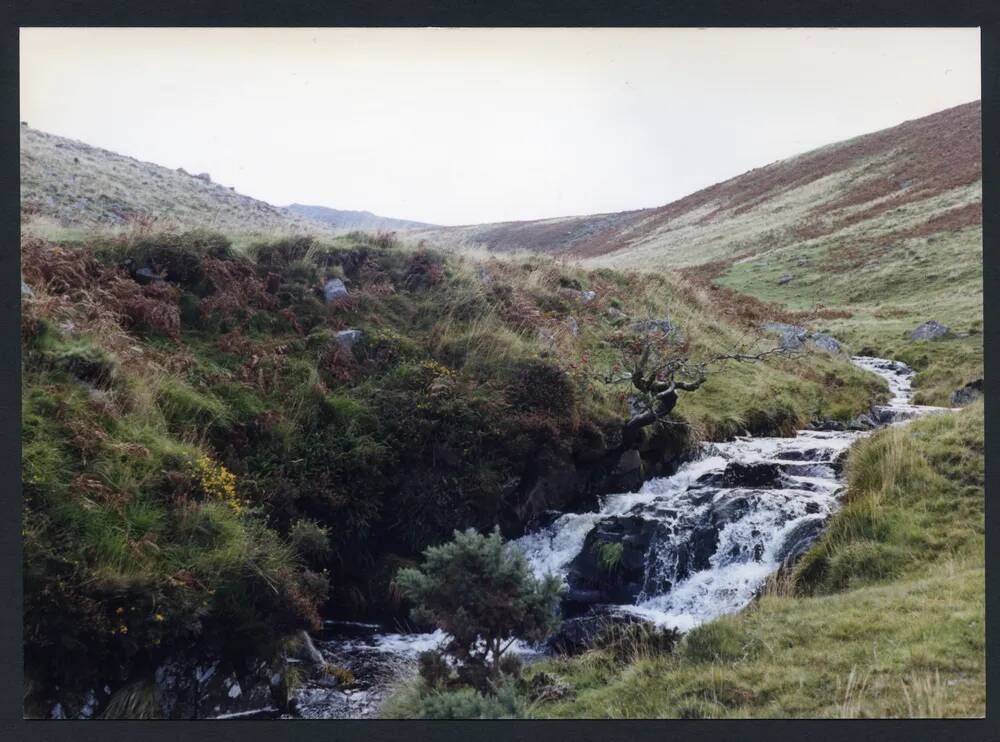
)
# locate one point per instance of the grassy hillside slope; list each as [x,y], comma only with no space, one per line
[884,617]
[69,185]
[884,231]
[935,159]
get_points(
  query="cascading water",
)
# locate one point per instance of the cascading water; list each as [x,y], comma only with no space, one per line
[714,531]
[706,539]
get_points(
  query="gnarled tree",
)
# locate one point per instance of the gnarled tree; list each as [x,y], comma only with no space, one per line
[659,365]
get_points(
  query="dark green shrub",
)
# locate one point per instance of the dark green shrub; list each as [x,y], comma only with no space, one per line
[481,593]
[281,253]
[541,386]
[179,258]
[434,669]
[467,703]
[310,540]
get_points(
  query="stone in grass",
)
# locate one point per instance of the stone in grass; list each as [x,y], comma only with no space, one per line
[786,278]
[930,330]
[583,297]
[967,394]
[334,289]
[826,342]
[346,339]
[792,336]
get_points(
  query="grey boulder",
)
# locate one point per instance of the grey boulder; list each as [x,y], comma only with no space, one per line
[967,394]
[930,330]
[334,289]
[346,339]
[826,342]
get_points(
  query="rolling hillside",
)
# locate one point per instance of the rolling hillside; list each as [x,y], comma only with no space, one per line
[922,168]
[66,184]
[883,231]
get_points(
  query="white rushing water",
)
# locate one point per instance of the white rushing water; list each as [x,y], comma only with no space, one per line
[771,519]
[745,529]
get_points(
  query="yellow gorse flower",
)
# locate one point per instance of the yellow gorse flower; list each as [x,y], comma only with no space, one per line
[438,369]
[217,482]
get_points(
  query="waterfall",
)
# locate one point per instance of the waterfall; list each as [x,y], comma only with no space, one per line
[713,532]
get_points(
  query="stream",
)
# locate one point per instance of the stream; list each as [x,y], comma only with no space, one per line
[703,542]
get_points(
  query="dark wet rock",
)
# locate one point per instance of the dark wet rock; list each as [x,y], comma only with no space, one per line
[334,289]
[729,507]
[809,454]
[967,394]
[757,474]
[579,634]
[206,688]
[543,520]
[882,415]
[826,424]
[786,278]
[556,487]
[627,473]
[863,421]
[807,470]
[592,578]
[839,462]
[930,330]
[799,539]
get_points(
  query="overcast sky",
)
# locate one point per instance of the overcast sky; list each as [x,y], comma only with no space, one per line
[457,126]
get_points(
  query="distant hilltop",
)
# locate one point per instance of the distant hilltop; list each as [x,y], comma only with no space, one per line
[361,220]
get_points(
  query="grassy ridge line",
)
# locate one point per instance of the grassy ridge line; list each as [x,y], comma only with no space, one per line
[884,616]
[832,191]
[71,189]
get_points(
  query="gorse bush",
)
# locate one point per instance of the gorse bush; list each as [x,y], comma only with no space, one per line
[480,592]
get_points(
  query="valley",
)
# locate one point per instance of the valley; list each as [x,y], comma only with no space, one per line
[240,422]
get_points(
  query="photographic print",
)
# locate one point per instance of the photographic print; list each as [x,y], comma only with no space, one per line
[502,373]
